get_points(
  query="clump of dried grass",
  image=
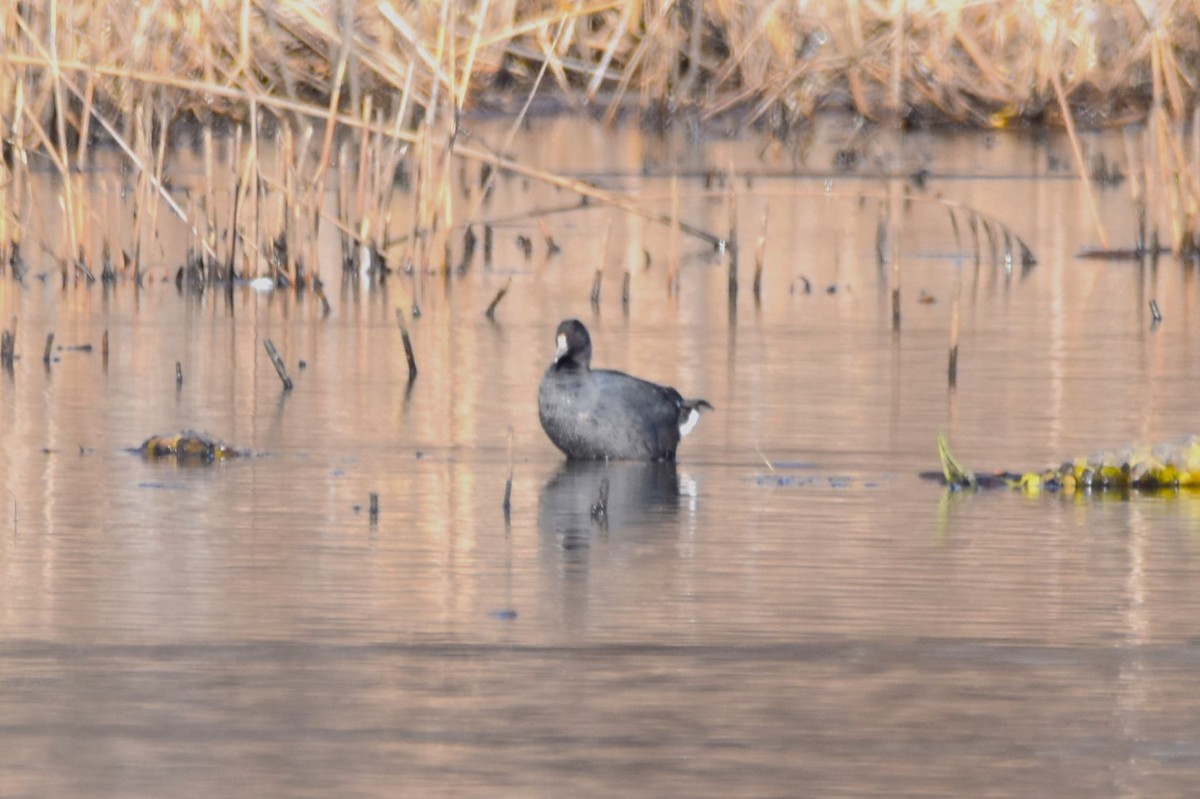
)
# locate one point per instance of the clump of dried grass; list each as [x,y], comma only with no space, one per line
[983,63]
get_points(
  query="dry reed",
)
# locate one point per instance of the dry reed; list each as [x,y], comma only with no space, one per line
[397,80]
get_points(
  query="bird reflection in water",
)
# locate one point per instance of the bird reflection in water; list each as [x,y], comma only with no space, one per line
[636,519]
[585,496]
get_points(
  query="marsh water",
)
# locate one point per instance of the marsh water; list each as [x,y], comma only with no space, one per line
[789,610]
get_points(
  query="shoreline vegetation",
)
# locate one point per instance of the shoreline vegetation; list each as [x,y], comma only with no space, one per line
[398,79]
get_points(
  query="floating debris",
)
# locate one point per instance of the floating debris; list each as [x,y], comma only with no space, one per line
[186,447]
[1168,467]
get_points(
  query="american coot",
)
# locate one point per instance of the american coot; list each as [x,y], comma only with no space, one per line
[592,414]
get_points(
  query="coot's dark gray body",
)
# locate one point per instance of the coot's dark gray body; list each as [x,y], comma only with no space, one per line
[593,414]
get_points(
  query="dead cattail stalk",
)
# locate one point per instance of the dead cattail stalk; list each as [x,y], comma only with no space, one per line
[49,351]
[178,374]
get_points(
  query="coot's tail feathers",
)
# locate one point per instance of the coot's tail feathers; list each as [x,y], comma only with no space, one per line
[689,414]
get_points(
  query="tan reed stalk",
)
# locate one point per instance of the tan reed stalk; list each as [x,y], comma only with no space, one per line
[252,252]
[63,161]
[1077,154]
[210,198]
[364,165]
[287,160]
[85,120]
[342,212]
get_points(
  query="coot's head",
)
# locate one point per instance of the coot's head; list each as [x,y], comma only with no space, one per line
[574,345]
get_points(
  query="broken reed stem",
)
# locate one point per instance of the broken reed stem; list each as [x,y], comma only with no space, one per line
[408,349]
[49,351]
[104,348]
[490,313]
[595,296]
[625,289]
[178,374]
[279,367]
[373,505]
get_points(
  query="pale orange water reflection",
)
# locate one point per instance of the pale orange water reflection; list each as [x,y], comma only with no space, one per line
[789,611]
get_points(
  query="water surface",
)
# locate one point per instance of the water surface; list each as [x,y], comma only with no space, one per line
[790,610]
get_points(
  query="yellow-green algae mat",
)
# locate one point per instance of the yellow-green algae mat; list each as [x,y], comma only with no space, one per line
[1173,466]
[187,447]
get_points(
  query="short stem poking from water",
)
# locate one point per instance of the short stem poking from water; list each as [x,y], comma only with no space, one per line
[490,313]
[408,349]
[278,363]
[508,483]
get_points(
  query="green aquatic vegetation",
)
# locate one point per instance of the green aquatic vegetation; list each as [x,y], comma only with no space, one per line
[1144,468]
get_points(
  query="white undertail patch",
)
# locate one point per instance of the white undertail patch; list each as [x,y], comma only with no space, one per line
[689,424]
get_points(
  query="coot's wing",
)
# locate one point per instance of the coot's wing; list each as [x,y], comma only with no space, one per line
[650,409]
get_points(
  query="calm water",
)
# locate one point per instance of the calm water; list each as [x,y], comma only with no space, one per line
[790,611]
